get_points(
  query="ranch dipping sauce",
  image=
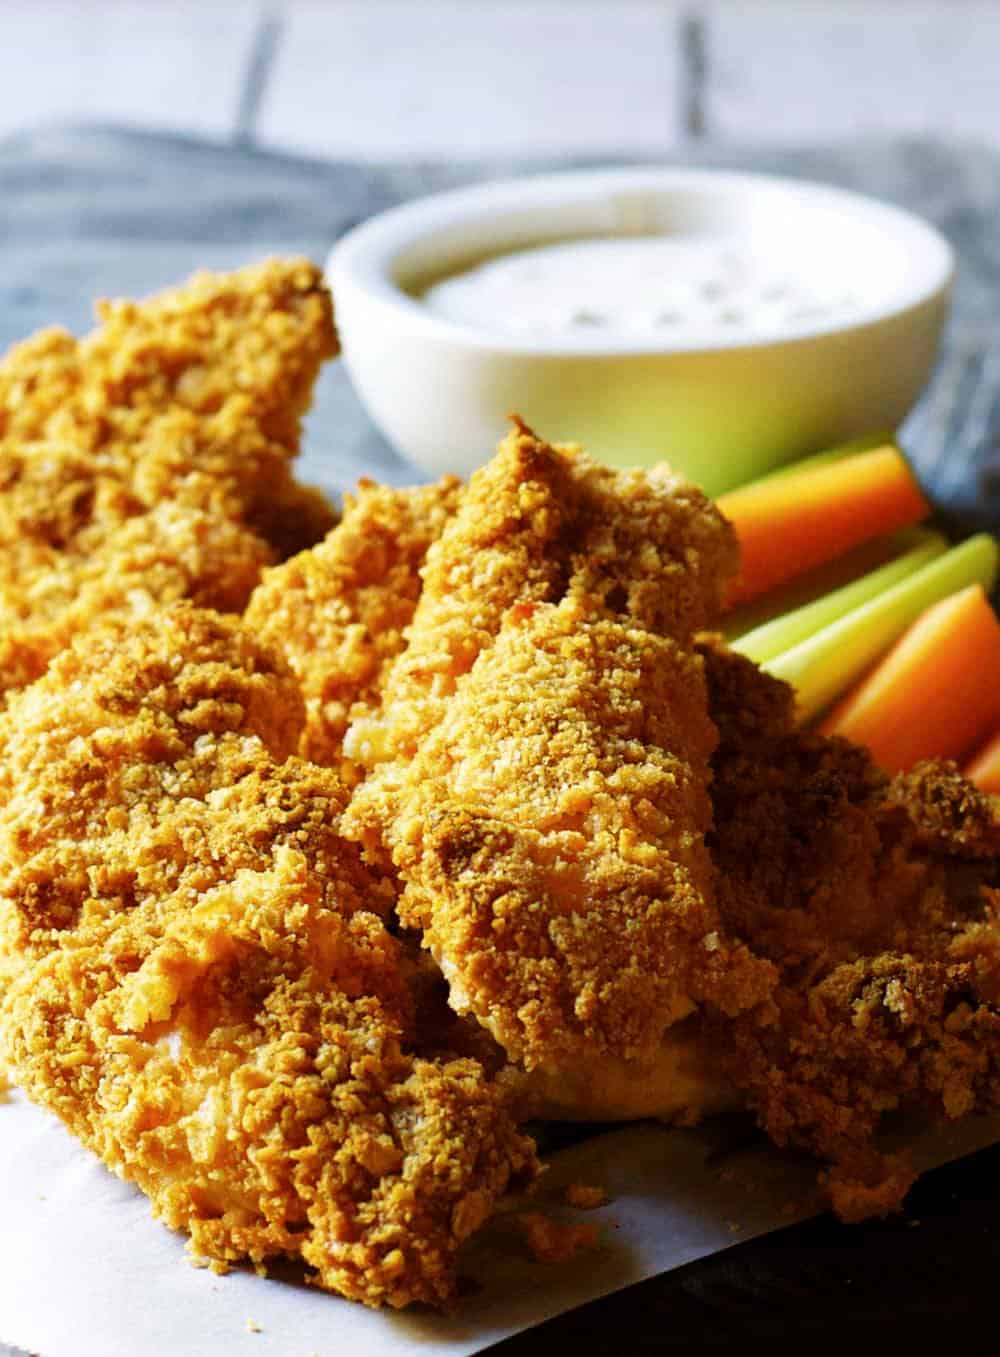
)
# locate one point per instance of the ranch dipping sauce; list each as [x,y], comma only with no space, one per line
[665,289]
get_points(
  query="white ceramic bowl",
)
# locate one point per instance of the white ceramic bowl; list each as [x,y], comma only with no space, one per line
[441,390]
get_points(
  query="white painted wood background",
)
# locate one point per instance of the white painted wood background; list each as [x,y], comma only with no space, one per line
[468,77]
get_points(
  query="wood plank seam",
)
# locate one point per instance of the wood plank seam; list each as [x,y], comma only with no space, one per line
[259,68]
[693,65]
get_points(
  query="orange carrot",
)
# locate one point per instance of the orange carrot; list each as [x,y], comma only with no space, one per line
[984,769]
[790,523]
[936,694]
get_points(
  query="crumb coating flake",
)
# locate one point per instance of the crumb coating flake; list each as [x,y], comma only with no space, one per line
[199,982]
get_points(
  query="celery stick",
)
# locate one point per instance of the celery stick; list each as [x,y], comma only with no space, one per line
[824,579]
[783,633]
[822,667]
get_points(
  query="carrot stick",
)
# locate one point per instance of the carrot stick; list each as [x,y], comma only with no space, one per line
[775,638]
[826,665]
[792,522]
[867,441]
[824,579]
[936,693]
[984,769]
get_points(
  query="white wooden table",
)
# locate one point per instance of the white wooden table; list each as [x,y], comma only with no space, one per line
[381,78]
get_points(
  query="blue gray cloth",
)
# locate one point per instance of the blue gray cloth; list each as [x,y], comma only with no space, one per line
[96,211]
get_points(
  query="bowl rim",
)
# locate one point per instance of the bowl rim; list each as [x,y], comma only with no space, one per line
[363,258]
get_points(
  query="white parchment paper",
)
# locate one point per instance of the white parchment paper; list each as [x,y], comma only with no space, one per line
[86,1272]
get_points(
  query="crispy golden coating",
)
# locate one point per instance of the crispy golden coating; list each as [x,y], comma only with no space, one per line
[551,842]
[505,544]
[538,524]
[240,351]
[200,984]
[119,738]
[539,768]
[150,461]
[647,547]
[878,904]
[338,612]
[244,1061]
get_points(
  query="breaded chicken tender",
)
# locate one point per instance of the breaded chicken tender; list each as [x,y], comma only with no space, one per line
[150,461]
[551,843]
[878,903]
[199,980]
[539,771]
[339,611]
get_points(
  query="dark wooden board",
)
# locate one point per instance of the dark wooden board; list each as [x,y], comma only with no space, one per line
[920,1276]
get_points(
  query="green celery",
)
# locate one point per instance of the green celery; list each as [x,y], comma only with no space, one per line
[824,579]
[821,668]
[781,634]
